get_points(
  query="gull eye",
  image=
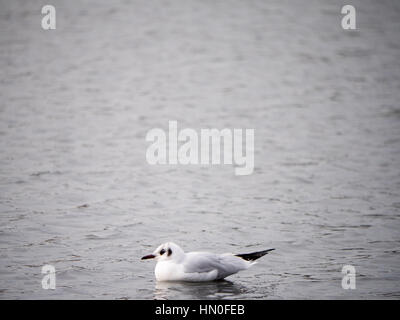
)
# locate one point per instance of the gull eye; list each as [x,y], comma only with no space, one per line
[169,252]
[162,251]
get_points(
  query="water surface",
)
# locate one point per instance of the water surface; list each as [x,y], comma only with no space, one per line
[76,104]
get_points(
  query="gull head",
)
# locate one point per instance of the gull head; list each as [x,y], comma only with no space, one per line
[166,251]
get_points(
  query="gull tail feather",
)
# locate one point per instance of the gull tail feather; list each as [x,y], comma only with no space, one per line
[253,255]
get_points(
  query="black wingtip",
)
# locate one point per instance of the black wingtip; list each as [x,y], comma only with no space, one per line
[254,255]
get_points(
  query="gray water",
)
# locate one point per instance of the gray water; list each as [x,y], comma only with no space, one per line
[76,103]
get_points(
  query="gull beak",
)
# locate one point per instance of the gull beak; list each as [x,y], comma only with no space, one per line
[149,256]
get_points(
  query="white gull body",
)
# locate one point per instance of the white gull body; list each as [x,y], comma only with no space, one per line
[173,264]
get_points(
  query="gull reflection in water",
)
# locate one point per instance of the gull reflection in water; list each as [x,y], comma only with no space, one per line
[222,289]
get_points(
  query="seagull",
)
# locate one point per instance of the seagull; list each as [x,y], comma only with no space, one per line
[173,264]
